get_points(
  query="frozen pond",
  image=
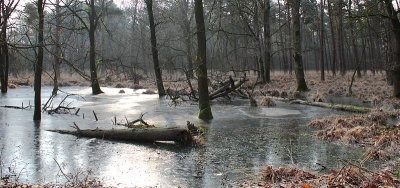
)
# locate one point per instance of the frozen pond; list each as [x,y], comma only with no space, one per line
[239,143]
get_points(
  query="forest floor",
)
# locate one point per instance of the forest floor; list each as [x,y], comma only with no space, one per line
[371,131]
[369,88]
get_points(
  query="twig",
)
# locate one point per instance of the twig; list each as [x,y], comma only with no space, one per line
[337,175]
[323,166]
[95,116]
[62,172]
[49,101]
[76,126]
[141,115]
[76,113]
[20,172]
[290,152]
[140,119]
[357,166]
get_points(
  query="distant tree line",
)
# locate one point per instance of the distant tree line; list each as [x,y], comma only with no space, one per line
[97,38]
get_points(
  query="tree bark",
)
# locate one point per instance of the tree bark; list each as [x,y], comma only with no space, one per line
[290,30]
[188,37]
[258,41]
[39,63]
[334,60]
[342,64]
[297,54]
[394,19]
[322,38]
[353,41]
[267,40]
[154,50]
[57,51]
[201,60]
[133,59]
[4,49]
[94,20]
[6,11]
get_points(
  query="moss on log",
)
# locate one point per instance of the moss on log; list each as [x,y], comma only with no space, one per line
[348,108]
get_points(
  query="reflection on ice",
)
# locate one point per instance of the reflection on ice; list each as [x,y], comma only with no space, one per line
[264,112]
[239,143]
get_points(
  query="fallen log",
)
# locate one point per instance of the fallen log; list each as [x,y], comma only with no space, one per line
[227,87]
[16,107]
[348,108]
[180,135]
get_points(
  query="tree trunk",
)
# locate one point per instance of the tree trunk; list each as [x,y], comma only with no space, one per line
[188,36]
[285,65]
[333,39]
[4,57]
[94,20]
[257,39]
[322,38]
[353,42]
[57,51]
[290,31]
[133,59]
[154,50]
[297,54]
[393,16]
[201,60]
[342,64]
[3,54]
[267,40]
[39,63]
[136,134]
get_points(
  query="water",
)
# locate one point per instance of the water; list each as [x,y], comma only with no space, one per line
[239,143]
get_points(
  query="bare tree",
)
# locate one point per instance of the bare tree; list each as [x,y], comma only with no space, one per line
[93,23]
[39,62]
[266,7]
[331,25]
[201,60]
[57,48]
[185,26]
[297,53]
[154,50]
[94,15]
[353,40]
[322,38]
[6,10]
[342,64]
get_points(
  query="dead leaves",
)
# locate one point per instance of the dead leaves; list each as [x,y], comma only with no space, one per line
[283,174]
[267,101]
[349,176]
[355,129]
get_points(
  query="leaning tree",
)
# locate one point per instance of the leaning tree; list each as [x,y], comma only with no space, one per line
[154,50]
